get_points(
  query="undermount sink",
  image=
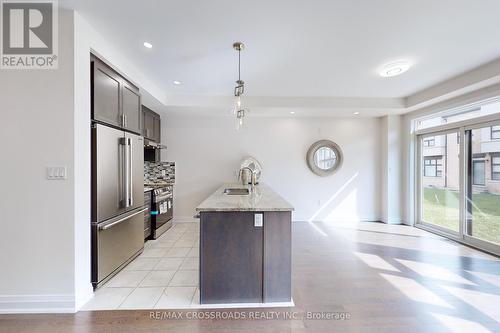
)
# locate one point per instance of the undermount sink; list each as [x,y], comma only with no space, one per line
[236,191]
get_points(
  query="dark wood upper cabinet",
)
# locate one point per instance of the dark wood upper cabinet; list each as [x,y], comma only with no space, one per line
[106,88]
[157,128]
[115,101]
[148,121]
[152,125]
[131,102]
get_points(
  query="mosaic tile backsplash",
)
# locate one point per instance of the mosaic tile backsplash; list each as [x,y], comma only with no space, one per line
[159,172]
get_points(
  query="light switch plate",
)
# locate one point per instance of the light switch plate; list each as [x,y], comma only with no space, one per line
[56,173]
[258,220]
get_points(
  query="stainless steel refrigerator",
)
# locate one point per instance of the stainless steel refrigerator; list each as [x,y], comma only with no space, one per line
[117,200]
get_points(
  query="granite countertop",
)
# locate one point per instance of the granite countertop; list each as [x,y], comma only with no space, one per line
[261,199]
[162,183]
[149,186]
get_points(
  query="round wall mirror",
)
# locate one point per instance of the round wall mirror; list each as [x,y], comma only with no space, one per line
[324,157]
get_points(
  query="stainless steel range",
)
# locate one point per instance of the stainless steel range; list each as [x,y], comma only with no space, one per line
[162,210]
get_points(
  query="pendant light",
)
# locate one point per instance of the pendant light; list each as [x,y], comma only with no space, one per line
[239,89]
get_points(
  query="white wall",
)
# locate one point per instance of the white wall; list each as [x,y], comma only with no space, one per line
[391,169]
[207,152]
[36,215]
[82,151]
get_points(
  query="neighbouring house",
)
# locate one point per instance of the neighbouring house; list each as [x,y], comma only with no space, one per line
[440,154]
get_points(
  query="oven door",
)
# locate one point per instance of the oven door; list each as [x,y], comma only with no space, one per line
[162,215]
[164,211]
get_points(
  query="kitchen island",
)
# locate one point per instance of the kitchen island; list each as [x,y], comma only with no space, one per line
[245,246]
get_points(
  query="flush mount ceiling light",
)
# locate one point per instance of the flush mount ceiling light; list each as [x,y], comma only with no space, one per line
[148,45]
[177,82]
[356,113]
[239,89]
[292,112]
[394,68]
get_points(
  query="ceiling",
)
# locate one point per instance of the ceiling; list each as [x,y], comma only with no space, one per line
[299,48]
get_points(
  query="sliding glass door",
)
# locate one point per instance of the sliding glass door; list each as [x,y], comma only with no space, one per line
[440,181]
[458,183]
[483,185]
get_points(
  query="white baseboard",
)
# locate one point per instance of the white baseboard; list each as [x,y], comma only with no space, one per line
[185,219]
[392,221]
[343,220]
[37,304]
[83,297]
[190,219]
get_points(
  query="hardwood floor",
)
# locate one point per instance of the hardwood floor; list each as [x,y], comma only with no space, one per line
[385,278]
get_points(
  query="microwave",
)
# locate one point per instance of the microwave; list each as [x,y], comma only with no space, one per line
[152,151]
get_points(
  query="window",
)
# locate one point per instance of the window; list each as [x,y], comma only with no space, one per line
[461,113]
[495,132]
[478,172]
[429,142]
[495,167]
[433,166]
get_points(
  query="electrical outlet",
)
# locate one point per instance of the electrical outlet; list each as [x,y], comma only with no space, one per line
[258,220]
[56,173]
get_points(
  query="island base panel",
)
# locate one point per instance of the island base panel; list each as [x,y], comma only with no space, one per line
[277,286]
[230,258]
[242,263]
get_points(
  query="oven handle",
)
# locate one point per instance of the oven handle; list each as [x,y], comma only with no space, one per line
[163,197]
[110,225]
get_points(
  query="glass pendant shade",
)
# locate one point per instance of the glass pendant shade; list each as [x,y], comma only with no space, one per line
[237,105]
[240,119]
[239,90]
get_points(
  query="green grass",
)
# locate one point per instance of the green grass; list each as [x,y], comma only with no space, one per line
[441,207]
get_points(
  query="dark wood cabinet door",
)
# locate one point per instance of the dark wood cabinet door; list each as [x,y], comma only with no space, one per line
[106,94]
[230,258]
[157,128]
[148,116]
[277,257]
[131,108]
[151,125]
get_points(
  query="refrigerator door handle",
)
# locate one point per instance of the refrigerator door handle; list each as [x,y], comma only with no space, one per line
[112,224]
[127,173]
[123,164]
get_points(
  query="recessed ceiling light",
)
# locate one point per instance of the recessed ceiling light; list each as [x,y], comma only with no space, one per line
[394,68]
[148,45]
[292,112]
[177,82]
[356,113]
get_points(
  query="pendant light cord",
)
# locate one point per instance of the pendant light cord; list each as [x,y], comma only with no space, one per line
[239,65]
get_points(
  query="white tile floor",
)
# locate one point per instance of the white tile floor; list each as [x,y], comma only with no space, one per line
[164,276]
